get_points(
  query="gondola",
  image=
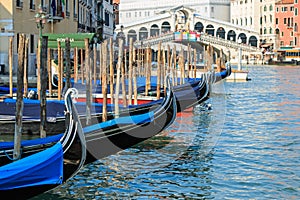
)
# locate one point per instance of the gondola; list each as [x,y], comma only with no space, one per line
[45,163]
[187,95]
[110,137]
[125,130]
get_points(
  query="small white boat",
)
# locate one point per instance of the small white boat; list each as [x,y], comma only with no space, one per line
[238,75]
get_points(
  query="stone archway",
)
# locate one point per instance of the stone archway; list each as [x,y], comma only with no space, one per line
[231,35]
[143,33]
[243,38]
[181,20]
[165,27]
[210,30]
[132,34]
[253,41]
[221,32]
[199,27]
[154,31]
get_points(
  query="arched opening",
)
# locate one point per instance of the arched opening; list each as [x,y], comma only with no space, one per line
[165,27]
[221,32]
[253,41]
[199,27]
[132,34]
[243,38]
[154,31]
[143,33]
[210,30]
[231,35]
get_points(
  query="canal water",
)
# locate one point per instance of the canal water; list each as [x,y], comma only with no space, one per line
[244,143]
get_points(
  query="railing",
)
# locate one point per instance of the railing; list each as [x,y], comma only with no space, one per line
[227,43]
[207,39]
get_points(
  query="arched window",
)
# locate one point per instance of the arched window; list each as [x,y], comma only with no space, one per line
[265,30]
[271,31]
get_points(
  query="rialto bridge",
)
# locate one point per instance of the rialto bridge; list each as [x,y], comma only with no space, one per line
[219,33]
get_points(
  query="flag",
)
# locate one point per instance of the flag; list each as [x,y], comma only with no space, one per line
[63,8]
[53,6]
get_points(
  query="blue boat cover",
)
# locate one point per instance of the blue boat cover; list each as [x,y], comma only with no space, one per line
[137,119]
[45,167]
[46,140]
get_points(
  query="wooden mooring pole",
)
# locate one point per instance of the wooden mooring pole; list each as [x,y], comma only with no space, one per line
[43,84]
[19,102]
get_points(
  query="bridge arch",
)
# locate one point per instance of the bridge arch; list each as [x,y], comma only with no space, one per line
[221,32]
[143,33]
[253,41]
[210,30]
[165,27]
[231,35]
[199,27]
[154,30]
[132,34]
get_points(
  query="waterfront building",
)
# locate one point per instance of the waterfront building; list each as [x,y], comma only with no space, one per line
[296,24]
[61,16]
[258,15]
[284,19]
[135,10]
[96,16]
[19,17]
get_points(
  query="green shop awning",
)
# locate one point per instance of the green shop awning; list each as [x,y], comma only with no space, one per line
[76,39]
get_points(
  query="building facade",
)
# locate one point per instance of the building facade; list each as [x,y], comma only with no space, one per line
[296,23]
[61,16]
[135,10]
[284,20]
[258,15]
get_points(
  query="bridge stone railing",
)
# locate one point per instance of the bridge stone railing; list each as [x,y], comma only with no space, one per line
[167,37]
[206,39]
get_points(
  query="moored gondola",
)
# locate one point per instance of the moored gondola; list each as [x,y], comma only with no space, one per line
[43,164]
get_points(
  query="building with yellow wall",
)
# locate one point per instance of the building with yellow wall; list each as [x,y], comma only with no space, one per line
[18,17]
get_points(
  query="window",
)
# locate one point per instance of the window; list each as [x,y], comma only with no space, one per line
[277,9]
[212,9]
[282,34]
[260,20]
[271,8]
[106,18]
[32,43]
[296,12]
[284,20]
[265,30]
[271,18]
[31,5]
[271,31]
[265,8]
